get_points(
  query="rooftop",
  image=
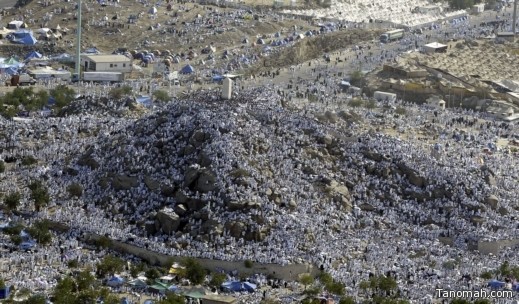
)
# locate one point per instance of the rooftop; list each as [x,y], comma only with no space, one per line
[107,58]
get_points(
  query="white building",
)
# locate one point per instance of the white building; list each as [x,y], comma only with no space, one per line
[106,63]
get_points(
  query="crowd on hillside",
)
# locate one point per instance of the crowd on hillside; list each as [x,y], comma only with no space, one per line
[460,189]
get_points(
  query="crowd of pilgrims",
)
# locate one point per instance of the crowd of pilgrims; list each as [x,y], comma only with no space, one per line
[350,244]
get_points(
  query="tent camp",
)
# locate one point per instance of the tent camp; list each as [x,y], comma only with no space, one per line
[237,286]
[188,69]
[138,284]
[159,287]
[33,55]
[115,281]
[435,47]
[92,50]
[16,24]
[24,37]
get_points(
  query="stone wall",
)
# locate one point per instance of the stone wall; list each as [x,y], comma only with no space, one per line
[288,272]
[495,246]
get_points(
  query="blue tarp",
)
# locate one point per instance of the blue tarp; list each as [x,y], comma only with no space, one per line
[250,287]
[92,50]
[11,71]
[32,55]
[237,286]
[233,286]
[496,284]
[24,38]
[125,301]
[144,100]
[148,301]
[217,78]
[188,69]
[173,288]
[115,281]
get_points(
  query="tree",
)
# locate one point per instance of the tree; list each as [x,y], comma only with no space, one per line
[347,300]
[120,92]
[504,269]
[152,274]
[109,265]
[217,279]
[111,299]
[487,275]
[325,278]
[14,229]
[306,279]
[103,242]
[64,291]
[172,298]
[88,296]
[75,190]
[63,95]
[40,231]
[336,288]
[248,264]
[12,200]
[35,299]
[73,263]
[194,272]
[29,160]
[357,79]
[161,95]
[40,196]
[2,165]
[85,280]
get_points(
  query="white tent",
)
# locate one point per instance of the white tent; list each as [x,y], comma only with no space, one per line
[435,47]
[152,11]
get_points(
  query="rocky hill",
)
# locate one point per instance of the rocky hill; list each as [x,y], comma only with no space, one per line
[204,168]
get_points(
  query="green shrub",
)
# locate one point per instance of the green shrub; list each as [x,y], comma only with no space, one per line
[29,160]
[248,264]
[75,190]
[161,95]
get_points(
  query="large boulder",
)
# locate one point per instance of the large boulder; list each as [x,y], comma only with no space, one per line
[412,175]
[151,183]
[167,221]
[235,228]
[124,182]
[212,227]
[492,201]
[200,179]
[206,181]
[339,193]
[194,204]
[198,138]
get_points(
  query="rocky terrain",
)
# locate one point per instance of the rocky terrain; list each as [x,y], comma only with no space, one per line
[203,168]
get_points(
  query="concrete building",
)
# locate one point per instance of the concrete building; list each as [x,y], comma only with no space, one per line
[106,63]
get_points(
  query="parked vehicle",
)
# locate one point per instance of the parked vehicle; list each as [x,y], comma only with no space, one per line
[392,35]
[100,77]
[20,80]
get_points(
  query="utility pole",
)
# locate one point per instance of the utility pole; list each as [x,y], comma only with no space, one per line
[78,37]
[514,20]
